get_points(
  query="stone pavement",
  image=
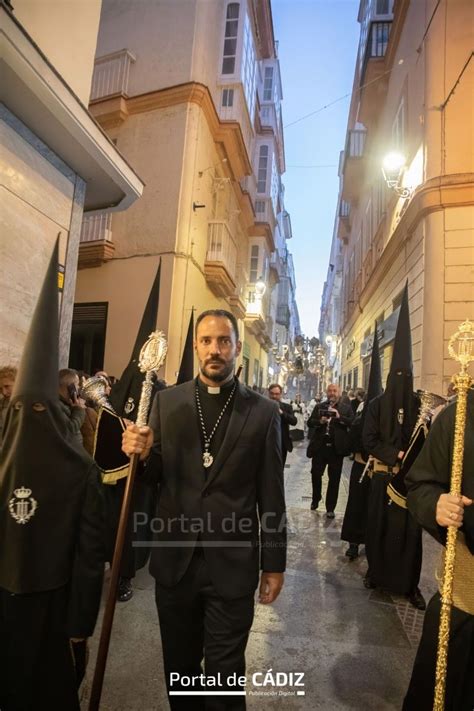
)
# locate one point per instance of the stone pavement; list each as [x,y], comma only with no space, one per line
[356,647]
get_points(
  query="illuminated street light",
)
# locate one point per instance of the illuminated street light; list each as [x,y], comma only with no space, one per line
[260,288]
[393,166]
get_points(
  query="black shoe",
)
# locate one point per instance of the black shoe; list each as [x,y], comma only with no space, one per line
[417,600]
[314,507]
[368,583]
[330,514]
[353,551]
[125,590]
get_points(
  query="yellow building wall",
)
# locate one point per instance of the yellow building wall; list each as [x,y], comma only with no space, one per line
[66,32]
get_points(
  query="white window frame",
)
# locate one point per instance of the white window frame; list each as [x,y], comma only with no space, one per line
[249,67]
[263,162]
[235,37]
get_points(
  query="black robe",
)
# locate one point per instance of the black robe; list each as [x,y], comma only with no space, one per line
[393,542]
[354,524]
[427,480]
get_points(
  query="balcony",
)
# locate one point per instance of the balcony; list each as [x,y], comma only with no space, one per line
[344,223]
[283,315]
[256,315]
[286,224]
[353,164]
[373,67]
[111,75]
[234,108]
[221,259]
[95,244]
[238,300]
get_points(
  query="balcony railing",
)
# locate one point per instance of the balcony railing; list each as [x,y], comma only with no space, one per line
[221,246]
[356,143]
[97,228]
[111,74]
[236,110]
[344,209]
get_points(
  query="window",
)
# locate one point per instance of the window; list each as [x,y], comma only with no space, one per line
[230,38]
[398,127]
[249,68]
[268,84]
[275,186]
[89,325]
[384,7]
[355,377]
[379,321]
[254,260]
[227,97]
[256,372]
[378,203]
[260,206]
[262,170]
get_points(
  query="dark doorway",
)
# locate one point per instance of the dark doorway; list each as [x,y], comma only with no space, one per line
[89,325]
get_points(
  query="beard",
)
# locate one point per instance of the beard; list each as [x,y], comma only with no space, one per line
[218,376]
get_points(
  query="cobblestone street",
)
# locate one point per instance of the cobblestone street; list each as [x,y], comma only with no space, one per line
[355,647]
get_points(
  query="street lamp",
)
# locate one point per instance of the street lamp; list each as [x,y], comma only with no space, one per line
[393,166]
[260,288]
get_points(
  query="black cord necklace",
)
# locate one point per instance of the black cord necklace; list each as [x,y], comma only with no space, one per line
[207,457]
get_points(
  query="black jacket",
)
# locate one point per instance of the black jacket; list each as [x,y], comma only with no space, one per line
[430,475]
[339,428]
[238,511]
[287,418]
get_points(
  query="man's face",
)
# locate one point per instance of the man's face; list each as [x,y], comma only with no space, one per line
[6,387]
[275,394]
[216,348]
[332,392]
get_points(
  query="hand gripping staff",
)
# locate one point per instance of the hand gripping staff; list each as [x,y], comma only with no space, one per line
[152,356]
[464,340]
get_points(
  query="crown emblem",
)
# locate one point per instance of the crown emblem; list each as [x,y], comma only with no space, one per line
[22,493]
[22,505]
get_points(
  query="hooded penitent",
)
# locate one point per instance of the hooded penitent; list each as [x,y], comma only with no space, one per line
[125,395]
[43,475]
[186,369]
[398,404]
[374,389]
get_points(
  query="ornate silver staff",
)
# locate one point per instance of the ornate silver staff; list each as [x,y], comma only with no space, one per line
[464,339]
[152,356]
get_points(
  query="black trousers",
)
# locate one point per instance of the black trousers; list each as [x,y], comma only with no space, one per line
[460,676]
[326,457]
[196,624]
[36,664]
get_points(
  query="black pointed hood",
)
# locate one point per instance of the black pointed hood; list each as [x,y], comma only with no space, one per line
[125,394]
[38,371]
[402,359]
[399,404]
[374,386]
[43,472]
[186,369]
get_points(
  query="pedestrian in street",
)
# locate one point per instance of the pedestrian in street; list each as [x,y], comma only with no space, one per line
[393,542]
[354,524]
[72,405]
[287,418]
[299,410]
[51,531]
[7,381]
[215,448]
[430,502]
[330,444]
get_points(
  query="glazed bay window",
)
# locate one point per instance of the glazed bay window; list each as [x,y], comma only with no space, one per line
[254,263]
[227,98]
[262,170]
[268,84]
[249,68]
[230,38]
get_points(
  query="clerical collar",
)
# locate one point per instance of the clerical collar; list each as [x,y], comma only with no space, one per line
[216,389]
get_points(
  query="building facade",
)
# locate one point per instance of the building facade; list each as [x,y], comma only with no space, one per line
[55,162]
[191,93]
[412,98]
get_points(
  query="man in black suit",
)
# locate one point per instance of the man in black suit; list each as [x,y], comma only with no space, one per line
[215,448]
[330,444]
[287,417]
